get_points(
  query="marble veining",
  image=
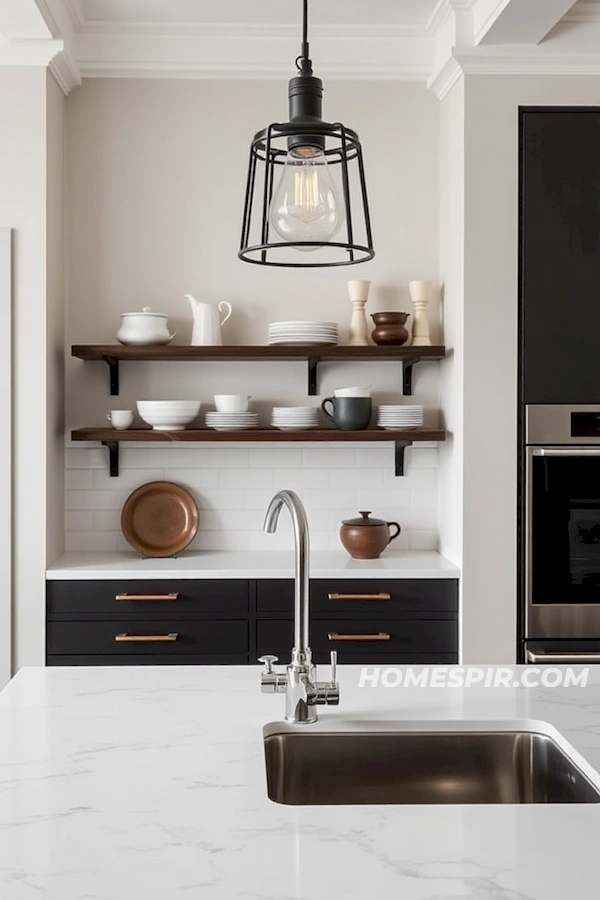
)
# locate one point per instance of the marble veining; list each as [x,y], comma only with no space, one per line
[125,783]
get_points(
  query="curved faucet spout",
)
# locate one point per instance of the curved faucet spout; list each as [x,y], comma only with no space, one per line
[301,653]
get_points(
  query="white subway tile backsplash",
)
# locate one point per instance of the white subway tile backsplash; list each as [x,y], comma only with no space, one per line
[93,540]
[128,480]
[338,499]
[243,478]
[380,499]
[423,499]
[361,478]
[423,539]
[216,498]
[327,457]
[93,500]
[79,520]
[232,486]
[107,520]
[275,457]
[374,457]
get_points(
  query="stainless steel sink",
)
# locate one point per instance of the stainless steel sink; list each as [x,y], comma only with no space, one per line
[346,768]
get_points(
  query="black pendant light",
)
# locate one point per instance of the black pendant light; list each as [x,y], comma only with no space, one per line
[306,196]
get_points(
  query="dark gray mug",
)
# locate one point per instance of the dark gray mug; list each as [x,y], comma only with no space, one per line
[349,413]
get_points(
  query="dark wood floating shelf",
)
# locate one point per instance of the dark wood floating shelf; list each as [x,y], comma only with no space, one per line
[312,354]
[111,439]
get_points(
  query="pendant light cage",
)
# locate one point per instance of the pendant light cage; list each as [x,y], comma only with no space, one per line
[268,154]
[306,135]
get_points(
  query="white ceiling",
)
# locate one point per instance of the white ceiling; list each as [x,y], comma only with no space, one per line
[430,41]
[256,12]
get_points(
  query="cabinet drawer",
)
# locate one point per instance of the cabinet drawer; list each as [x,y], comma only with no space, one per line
[173,637]
[369,636]
[159,599]
[167,659]
[348,598]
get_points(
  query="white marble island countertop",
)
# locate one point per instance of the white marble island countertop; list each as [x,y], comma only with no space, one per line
[148,784]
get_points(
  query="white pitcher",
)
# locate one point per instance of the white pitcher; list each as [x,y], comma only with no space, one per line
[207,322]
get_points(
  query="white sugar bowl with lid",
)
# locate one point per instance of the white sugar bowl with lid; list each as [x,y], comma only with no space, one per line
[139,329]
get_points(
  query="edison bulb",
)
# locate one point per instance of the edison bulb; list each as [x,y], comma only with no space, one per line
[306,205]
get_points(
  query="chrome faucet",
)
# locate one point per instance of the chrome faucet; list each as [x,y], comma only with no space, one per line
[299,683]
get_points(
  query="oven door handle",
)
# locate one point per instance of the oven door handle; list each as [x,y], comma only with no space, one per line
[563,657]
[565,451]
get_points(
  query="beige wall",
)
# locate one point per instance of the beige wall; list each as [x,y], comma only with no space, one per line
[23,207]
[156,173]
[452,274]
[55,463]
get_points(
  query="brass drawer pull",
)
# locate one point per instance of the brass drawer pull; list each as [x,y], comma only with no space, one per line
[379,636]
[381,596]
[147,597]
[145,638]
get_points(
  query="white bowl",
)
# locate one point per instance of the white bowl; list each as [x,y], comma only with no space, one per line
[228,403]
[364,391]
[168,415]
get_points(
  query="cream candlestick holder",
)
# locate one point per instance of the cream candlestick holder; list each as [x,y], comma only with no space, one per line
[358,292]
[420,294]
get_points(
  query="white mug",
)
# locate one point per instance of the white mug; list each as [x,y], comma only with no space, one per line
[364,391]
[228,403]
[120,419]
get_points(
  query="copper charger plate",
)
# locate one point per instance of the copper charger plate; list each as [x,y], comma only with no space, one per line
[159,519]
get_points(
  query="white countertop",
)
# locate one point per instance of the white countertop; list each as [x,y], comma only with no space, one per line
[246,564]
[148,784]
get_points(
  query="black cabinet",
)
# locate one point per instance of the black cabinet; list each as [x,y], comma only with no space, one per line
[560,255]
[232,621]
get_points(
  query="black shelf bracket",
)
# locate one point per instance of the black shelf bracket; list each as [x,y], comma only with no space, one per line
[113,366]
[407,369]
[399,448]
[113,457]
[312,376]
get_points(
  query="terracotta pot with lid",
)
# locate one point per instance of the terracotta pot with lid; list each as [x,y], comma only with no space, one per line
[367,538]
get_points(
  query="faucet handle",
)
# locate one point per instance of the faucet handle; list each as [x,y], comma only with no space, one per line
[268,663]
[271,682]
[328,692]
[333,657]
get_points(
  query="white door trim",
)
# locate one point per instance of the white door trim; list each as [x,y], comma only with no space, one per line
[6,488]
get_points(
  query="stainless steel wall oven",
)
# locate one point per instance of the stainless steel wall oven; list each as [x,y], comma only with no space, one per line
[562,533]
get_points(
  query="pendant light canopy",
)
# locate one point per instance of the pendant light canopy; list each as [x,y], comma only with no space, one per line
[306,196]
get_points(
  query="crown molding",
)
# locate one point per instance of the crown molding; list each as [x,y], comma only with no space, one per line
[445,78]
[583,11]
[348,53]
[75,12]
[259,72]
[65,71]
[518,60]
[59,23]
[29,52]
[249,30]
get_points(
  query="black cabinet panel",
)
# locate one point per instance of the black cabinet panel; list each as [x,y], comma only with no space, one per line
[202,637]
[340,597]
[167,659]
[405,637]
[196,599]
[560,255]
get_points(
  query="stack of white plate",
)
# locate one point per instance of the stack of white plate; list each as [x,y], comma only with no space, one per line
[303,333]
[295,418]
[231,421]
[394,417]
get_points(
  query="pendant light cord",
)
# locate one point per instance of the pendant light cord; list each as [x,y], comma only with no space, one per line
[303,62]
